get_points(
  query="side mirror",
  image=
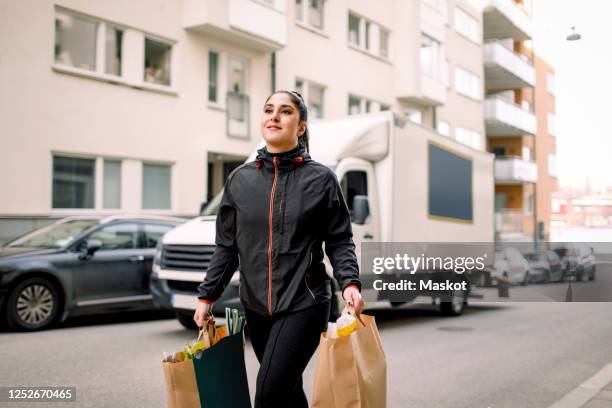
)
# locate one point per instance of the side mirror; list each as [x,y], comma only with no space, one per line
[90,247]
[361,209]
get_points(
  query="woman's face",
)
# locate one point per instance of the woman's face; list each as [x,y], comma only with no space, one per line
[280,123]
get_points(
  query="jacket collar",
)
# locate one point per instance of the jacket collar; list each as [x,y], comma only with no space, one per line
[289,159]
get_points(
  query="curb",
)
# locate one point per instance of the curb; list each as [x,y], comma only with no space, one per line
[587,390]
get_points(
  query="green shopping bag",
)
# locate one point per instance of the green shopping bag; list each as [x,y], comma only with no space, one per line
[215,379]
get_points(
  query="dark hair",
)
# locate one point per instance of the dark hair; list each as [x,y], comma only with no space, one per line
[298,101]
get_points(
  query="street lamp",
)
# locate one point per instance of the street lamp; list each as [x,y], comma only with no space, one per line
[574,36]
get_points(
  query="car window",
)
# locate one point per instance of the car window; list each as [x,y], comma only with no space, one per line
[552,256]
[117,236]
[154,232]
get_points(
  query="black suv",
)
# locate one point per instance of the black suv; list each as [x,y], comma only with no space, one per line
[79,265]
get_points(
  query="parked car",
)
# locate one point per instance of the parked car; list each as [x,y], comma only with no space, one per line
[511,267]
[544,267]
[79,265]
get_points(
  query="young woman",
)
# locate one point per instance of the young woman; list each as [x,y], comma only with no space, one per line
[274,215]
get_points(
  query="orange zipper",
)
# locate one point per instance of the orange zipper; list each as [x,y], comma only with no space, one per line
[270,212]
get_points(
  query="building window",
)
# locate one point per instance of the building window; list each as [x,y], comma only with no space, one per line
[353,29]
[467,25]
[384,107]
[430,56]
[550,119]
[354,105]
[213,76]
[310,12]
[112,184]
[75,41]
[375,37]
[73,182]
[368,106]
[552,165]
[443,128]
[467,83]
[384,43]
[158,57]
[237,99]
[114,50]
[527,153]
[313,94]
[414,115]
[550,83]
[469,137]
[156,187]
[315,99]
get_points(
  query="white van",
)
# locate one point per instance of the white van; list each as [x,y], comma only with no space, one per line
[402,183]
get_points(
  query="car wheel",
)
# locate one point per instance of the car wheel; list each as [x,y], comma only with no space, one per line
[457,304]
[186,321]
[32,305]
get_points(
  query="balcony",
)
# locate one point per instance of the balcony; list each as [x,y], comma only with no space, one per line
[506,69]
[503,118]
[509,221]
[423,90]
[250,24]
[505,19]
[515,170]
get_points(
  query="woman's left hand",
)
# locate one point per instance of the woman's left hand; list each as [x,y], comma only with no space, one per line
[351,295]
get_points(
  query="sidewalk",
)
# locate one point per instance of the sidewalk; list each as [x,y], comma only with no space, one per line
[596,392]
[602,400]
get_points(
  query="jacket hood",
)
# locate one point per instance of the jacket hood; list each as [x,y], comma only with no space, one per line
[289,159]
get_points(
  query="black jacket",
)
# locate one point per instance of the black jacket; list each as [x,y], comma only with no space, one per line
[274,215]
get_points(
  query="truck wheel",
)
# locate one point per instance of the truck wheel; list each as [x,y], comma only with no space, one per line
[457,304]
[186,321]
[32,305]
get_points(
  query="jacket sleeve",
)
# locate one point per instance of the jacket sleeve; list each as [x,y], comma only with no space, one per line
[338,237]
[224,261]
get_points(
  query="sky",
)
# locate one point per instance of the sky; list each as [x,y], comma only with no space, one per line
[583,86]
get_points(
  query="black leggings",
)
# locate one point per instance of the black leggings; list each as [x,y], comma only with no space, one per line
[284,345]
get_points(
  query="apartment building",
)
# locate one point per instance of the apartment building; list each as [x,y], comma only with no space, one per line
[146,106]
[519,118]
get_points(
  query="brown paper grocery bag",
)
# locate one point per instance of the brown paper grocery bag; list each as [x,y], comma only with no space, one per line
[181,387]
[351,371]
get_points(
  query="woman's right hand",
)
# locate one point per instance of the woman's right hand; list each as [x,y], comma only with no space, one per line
[202,312]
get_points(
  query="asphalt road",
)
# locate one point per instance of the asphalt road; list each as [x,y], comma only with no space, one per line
[496,355]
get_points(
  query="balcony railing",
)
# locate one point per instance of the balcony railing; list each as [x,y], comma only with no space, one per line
[506,69]
[504,118]
[509,221]
[247,23]
[515,170]
[237,114]
[505,19]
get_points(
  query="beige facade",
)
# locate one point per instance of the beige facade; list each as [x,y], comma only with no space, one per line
[145,106]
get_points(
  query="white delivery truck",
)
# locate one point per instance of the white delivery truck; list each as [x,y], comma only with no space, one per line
[402,182]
